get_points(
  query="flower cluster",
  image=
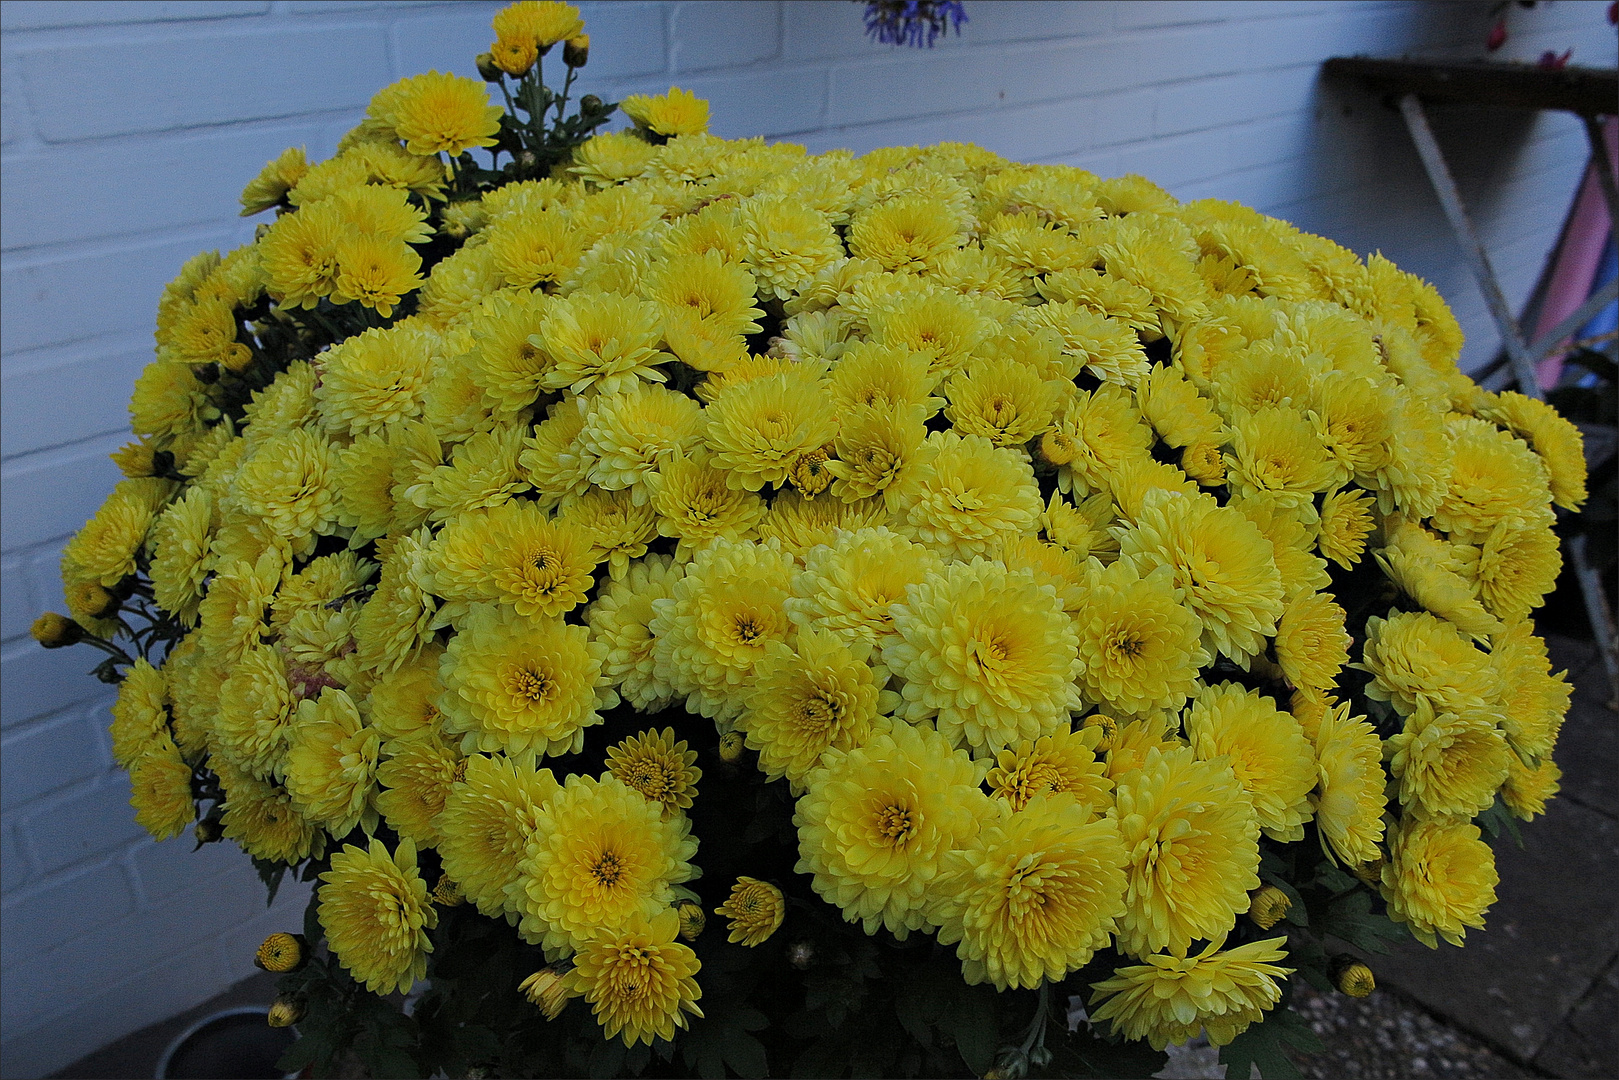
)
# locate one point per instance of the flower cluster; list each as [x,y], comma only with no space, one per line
[1004,516]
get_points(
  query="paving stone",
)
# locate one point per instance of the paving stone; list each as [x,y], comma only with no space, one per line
[1551,933]
[1588,748]
[1584,1045]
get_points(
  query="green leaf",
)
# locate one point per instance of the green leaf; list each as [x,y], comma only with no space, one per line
[607,1059]
[1081,1054]
[1264,1044]
[271,874]
[972,1022]
[826,1057]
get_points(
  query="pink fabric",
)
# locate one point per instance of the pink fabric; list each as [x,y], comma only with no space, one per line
[1577,258]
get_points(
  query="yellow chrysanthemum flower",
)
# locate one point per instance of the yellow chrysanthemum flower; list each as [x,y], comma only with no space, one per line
[1528,789]
[1264,747]
[786,243]
[415,778]
[757,429]
[609,159]
[1349,796]
[600,857]
[945,327]
[658,767]
[1276,451]
[375,272]
[887,378]
[1312,642]
[490,811]
[160,784]
[256,708]
[1005,401]
[876,821]
[1439,878]
[331,762]
[541,23]
[270,186]
[1346,521]
[438,113]
[847,587]
[513,683]
[1139,646]
[1221,561]
[1108,348]
[617,529]
[1035,894]
[375,911]
[513,555]
[374,379]
[876,450]
[639,979]
[1559,443]
[1065,761]
[1193,844]
[756,910]
[1171,1000]
[1093,435]
[1518,565]
[1495,476]
[396,622]
[260,817]
[1533,700]
[989,656]
[621,618]
[678,112]
[285,486]
[1172,405]
[719,621]
[104,550]
[1446,764]
[909,233]
[602,341]
[1438,575]
[1414,656]
[140,715]
[966,496]
[696,503]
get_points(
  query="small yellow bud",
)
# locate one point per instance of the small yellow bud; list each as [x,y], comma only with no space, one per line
[487,69]
[1107,725]
[755,908]
[90,600]
[280,954]
[1267,905]
[208,831]
[1370,872]
[692,919]
[1353,977]
[809,472]
[54,631]
[286,1012]
[576,51]
[731,747]
[548,989]
[447,893]
[1203,463]
[238,358]
[1057,448]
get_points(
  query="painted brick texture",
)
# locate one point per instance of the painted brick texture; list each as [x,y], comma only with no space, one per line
[129,128]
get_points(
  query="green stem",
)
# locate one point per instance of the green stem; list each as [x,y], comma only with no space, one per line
[562,102]
[1037,1026]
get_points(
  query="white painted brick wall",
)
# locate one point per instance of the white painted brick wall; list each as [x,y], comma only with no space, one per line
[129,128]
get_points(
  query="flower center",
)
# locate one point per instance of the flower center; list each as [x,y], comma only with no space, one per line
[895,824]
[817,714]
[530,684]
[607,870]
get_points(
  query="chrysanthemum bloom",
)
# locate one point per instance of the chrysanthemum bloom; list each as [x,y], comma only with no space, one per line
[621,619]
[256,706]
[548,989]
[1034,895]
[513,683]
[374,378]
[1346,521]
[1312,644]
[606,160]
[1495,476]
[180,556]
[485,470]
[375,911]
[1065,761]
[876,821]
[1439,878]
[512,555]
[786,243]
[756,910]
[1517,566]
[160,782]
[488,816]
[708,287]
[757,429]
[1170,1000]
[888,378]
[271,185]
[1081,527]
[966,496]
[375,272]
[628,434]
[678,112]
[1139,646]
[601,856]
[800,524]
[106,547]
[1528,789]
[554,459]
[1533,700]
[436,113]
[618,530]
[140,715]
[1413,655]
[260,817]
[1439,575]
[285,486]
[1264,747]
[847,587]
[988,655]
[1005,401]
[415,778]
[1276,450]
[638,979]
[820,692]
[719,620]
[1222,562]
[658,767]
[538,23]
[1446,764]
[299,255]
[1559,443]
[332,762]
[1193,842]
[696,503]
[944,327]
[875,451]
[1171,404]
[1349,798]
[280,953]
[396,622]
[1108,348]
[904,234]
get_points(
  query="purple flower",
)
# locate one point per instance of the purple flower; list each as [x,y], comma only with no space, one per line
[913,22]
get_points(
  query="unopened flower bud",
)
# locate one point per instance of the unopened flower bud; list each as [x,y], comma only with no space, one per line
[89,599]
[801,954]
[237,358]
[487,69]
[1267,905]
[447,893]
[1057,447]
[1108,726]
[1370,872]
[692,919]
[576,51]
[1203,463]
[548,989]
[1352,977]
[261,231]
[54,631]
[208,831]
[286,1012]
[731,747]
[589,104]
[280,954]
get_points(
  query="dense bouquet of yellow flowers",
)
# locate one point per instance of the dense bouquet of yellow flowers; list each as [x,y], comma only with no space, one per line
[983,585]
